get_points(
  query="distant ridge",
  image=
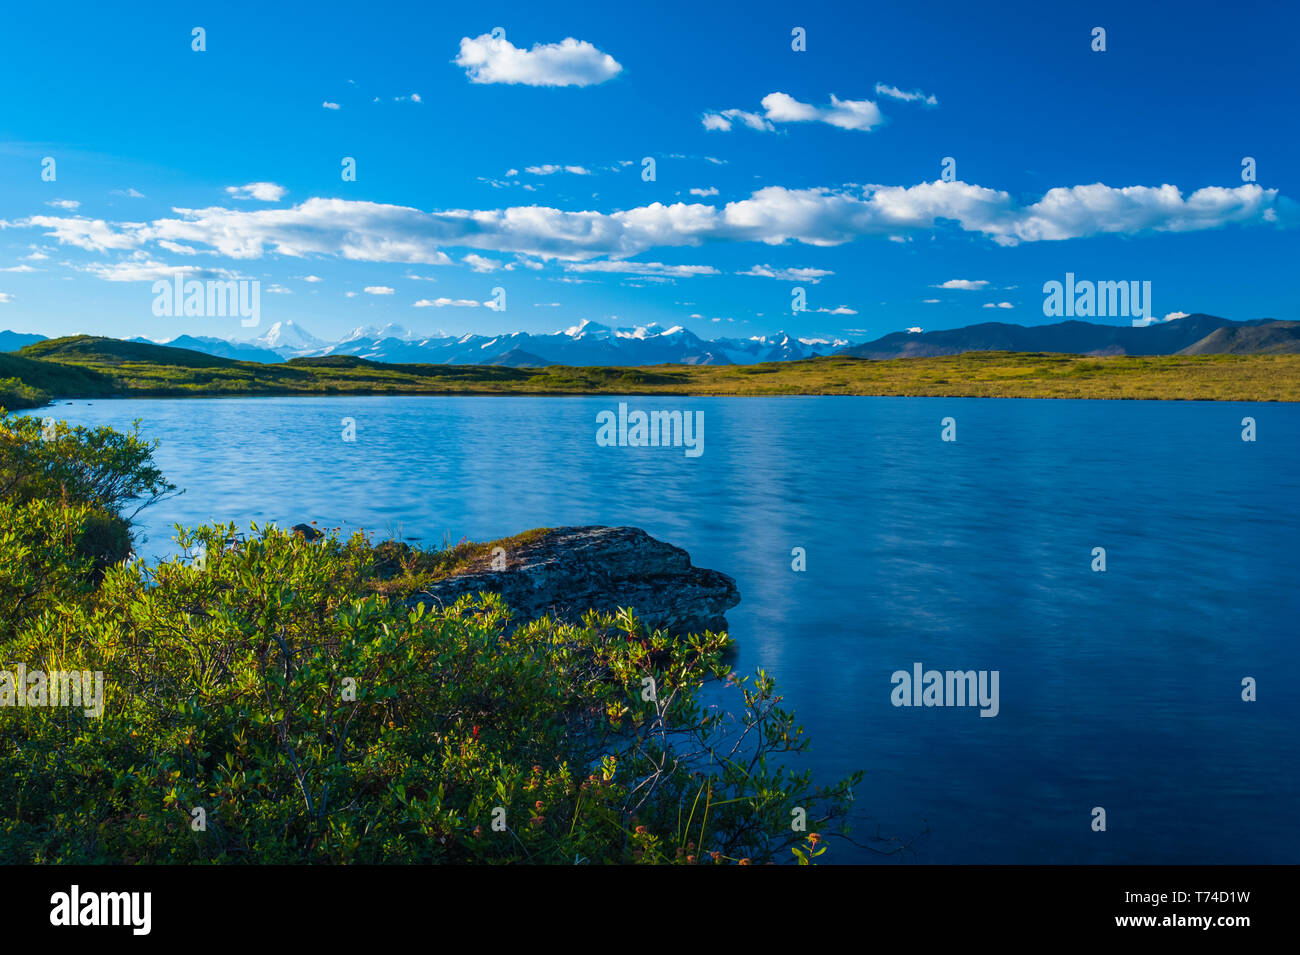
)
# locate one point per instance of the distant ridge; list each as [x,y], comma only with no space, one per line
[1075,337]
[12,341]
[1272,338]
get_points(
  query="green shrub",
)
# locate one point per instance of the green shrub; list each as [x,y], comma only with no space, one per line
[275,689]
[101,467]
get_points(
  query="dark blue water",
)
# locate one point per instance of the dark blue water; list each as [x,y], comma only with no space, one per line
[1119,689]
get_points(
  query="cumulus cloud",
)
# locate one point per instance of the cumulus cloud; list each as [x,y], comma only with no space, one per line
[377,232]
[6,297]
[447,303]
[998,305]
[481,263]
[93,235]
[705,193]
[968,285]
[70,204]
[723,119]
[261,191]
[489,59]
[643,268]
[550,170]
[788,275]
[141,268]
[328,105]
[784,108]
[913,96]
[379,290]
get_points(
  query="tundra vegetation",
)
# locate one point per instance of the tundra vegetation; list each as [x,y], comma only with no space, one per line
[87,367]
[274,699]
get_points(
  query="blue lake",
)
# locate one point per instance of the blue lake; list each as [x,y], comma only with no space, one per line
[1120,689]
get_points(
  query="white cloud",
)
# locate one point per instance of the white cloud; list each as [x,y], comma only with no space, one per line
[788,275]
[141,268]
[379,290]
[930,301]
[487,59]
[20,268]
[376,232]
[722,120]
[93,235]
[784,108]
[481,263]
[177,247]
[6,297]
[643,268]
[914,96]
[839,310]
[1174,316]
[311,278]
[413,98]
[261,191]
[998,305]
[705,193]
[129,193]
[328,105]
[70,204]
[968,285]
[447,302]
[549,170]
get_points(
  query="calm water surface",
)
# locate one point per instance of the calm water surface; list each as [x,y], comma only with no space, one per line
[1119,689]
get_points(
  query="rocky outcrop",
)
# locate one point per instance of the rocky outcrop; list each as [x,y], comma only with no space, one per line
[568,570]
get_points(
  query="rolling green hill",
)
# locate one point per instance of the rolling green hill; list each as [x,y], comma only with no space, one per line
[29,383]
[113,351]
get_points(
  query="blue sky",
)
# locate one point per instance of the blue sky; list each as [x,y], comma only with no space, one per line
[831,163]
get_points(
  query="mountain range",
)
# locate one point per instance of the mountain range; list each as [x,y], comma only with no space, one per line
[590,343]
[587,343]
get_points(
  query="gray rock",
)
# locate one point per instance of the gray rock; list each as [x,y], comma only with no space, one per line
[570,570]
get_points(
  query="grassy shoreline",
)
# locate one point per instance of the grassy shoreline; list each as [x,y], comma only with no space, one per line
[85,367]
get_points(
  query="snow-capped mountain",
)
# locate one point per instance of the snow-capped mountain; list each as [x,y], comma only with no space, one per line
[288,336]
[586,343]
